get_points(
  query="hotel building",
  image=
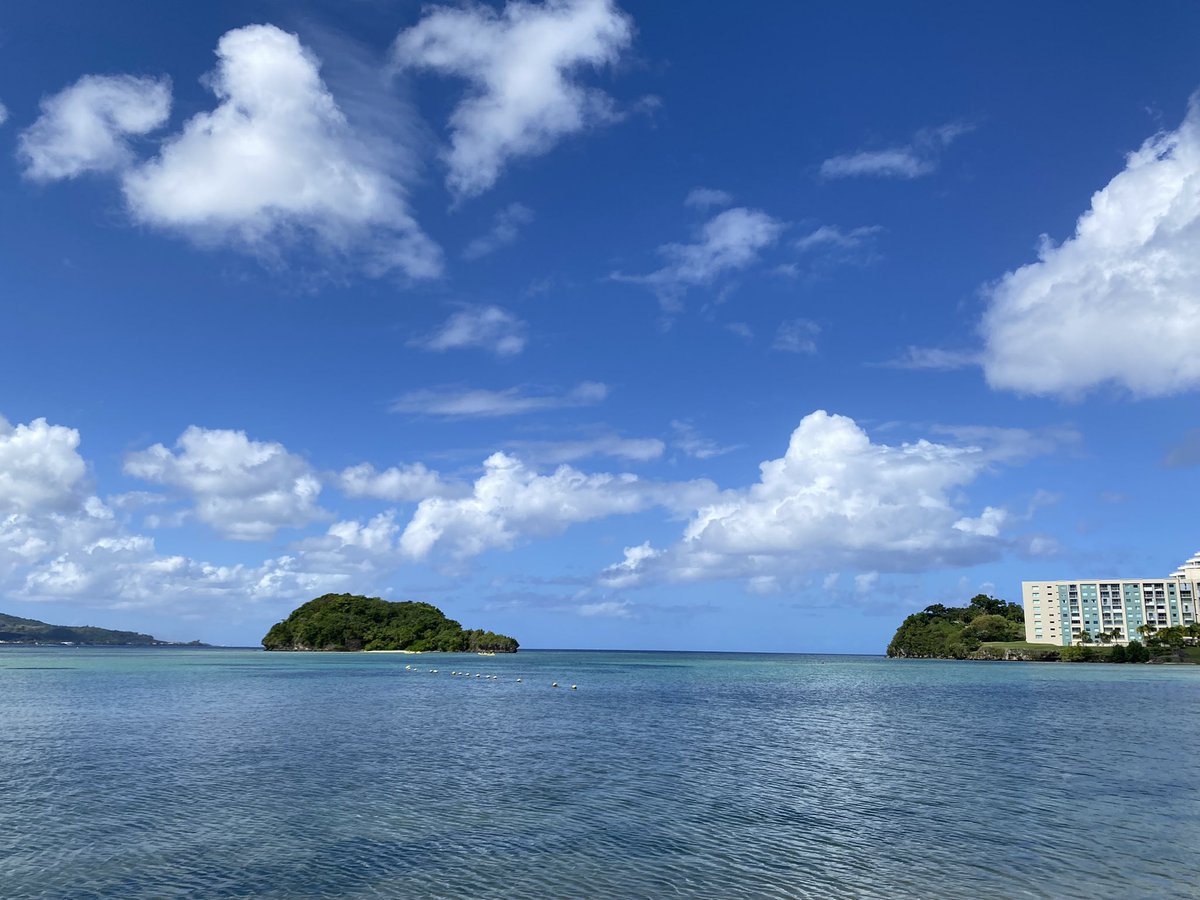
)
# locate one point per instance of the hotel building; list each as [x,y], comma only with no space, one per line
[1058,612]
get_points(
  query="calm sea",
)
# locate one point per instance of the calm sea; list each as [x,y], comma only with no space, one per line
[236,773]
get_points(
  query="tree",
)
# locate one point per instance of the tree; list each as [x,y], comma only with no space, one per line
[1117,654]
[1136,651]
[990,627]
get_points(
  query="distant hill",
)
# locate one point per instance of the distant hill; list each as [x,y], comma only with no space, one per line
[351,622]
[15,630]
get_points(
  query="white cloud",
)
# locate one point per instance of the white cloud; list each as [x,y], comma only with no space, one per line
[866,582]
[693,443]
[40,468]
[912,160]
[617,609]
[835,498]
[1119,302]
[506,227]
[397,484]
[483,404]
[522,65]
[625,573]
[3,113]
[707,198]
[986,524]
[935,359]
[59,542]
[277,158]
[797,336]
[511,501]
[831,236]
[86,127]
[491,328]
[730,241]
[244,489]
[611,445]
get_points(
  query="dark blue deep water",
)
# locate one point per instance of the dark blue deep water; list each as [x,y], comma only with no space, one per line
[205,773]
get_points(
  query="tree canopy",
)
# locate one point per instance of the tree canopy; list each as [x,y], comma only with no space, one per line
[953,631]
[352,622]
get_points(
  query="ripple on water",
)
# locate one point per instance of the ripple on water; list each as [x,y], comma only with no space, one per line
[236,774]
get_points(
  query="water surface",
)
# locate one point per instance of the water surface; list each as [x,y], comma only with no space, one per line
[236,773]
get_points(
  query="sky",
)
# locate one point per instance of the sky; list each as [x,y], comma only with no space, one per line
[601,325]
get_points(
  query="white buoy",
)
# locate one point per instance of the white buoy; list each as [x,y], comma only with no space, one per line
[518,681]
[555,684]
[574,687]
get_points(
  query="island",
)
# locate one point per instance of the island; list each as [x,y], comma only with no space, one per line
[992,629]
[352,622]
[15,630]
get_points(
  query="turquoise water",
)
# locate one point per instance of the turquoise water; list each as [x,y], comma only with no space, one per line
[205,773]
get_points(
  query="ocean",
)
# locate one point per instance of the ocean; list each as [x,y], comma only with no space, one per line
[165,773]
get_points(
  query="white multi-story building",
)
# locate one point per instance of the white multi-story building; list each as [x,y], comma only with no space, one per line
[1059,612]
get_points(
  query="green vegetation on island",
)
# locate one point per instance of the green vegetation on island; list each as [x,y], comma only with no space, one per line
[990,628]
[953,632]
[15,630]
[351,622]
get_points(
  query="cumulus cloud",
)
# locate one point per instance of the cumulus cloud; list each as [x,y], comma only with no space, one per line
[244,489]
[397,484]
[490,328]
[707,198]
[86,127]
[506,227]
[627,572]
[60,542]
[730,241]
[455,403]
[835,498]
[523,65]
[1118,303]
[797,336]
[277,158]
[511,501]
[40,468]
[912,160]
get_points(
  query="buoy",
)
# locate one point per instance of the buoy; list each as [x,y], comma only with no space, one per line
[477,675]
[574,687]
[518,681]
[555,684]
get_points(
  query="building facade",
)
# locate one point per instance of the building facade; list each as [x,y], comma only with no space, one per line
[1062,612]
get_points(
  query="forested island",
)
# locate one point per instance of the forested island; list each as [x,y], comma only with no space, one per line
[352,622]
[990,628]
[15,630]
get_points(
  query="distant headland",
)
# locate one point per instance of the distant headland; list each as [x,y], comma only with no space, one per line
[351,622]
[15,630]
[992,629]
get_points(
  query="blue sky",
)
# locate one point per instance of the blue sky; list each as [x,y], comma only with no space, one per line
[601,325]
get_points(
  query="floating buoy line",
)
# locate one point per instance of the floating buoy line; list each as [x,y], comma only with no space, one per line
[454,674]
